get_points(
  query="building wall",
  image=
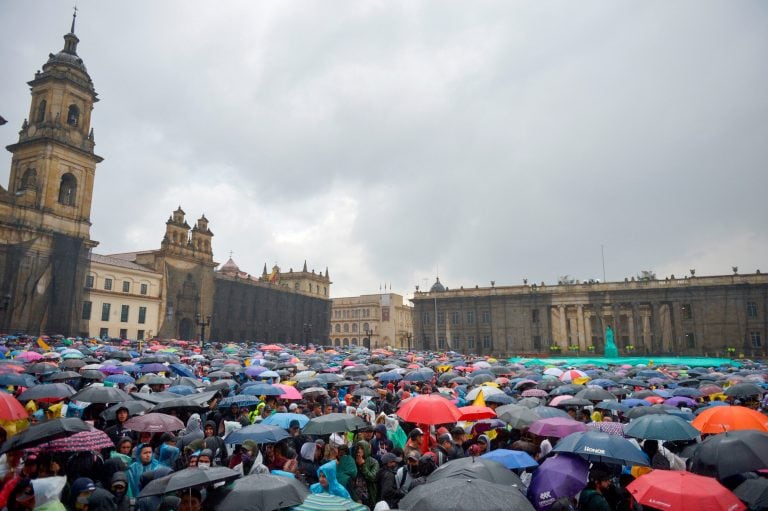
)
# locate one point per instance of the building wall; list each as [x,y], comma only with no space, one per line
[96,296]
[386,317]
[691,316]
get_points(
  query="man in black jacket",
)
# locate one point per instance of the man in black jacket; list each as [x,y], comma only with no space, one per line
[386,480]
[118,431]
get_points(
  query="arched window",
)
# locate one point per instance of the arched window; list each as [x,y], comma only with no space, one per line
[354,327]
[41,111]
[29,179]
[338,328]
[346,327]
[346,342]
[365,327]
[73,115]
[67,189]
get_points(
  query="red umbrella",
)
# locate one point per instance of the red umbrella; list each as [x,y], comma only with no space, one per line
[83,441]
[476,413]
[673,490]
[271,347]
[10,408]
[154,422]
[429,409]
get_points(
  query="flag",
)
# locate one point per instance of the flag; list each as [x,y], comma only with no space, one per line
[273,275]
[42,344]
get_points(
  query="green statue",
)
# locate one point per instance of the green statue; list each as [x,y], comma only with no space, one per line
[611,351]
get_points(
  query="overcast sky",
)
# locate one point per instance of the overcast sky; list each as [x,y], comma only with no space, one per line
[392,140]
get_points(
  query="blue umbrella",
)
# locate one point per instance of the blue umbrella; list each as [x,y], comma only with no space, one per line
[181,390]
[632,402]
[261,433]
[241,400]
[284,420]
[511,459]
[417,376]
[19,380]
[389,376]
[119,378]
[612,405]
[559,476]
[182,370]
[502,399]
[661,427]
[261,389]
[602,447]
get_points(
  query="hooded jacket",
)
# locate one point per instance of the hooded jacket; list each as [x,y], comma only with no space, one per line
[168,455]
[367,471]
[334,487]
[121,501]
[307,464]
[193,431]
[383,445]
[217,446]
[101,500]
[135,471]
[48,492]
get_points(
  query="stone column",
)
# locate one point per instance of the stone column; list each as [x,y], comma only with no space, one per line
[563,328]
[631,316]
[588,328]
[580,322]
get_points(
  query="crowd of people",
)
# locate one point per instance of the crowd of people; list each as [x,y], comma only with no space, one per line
[375,428]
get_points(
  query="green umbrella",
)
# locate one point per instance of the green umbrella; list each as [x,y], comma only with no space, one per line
[328,502]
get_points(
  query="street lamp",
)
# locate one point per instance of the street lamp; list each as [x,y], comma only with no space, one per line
[409,337]
[307,329]
[368,333]
[202,323]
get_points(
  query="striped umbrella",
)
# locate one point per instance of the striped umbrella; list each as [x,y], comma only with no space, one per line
[328,502]
[83,441]
[612,428]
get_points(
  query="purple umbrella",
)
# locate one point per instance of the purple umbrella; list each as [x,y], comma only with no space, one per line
[559,476]
[674,401]
[112,370]
[154,368]
[255,370]
[557,427]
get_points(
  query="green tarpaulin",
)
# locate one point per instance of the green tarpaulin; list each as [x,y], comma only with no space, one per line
[633,361]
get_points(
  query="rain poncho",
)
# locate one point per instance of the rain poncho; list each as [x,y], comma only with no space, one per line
[48,492]
[334,487]
[192,432]
[365,482]
[134,474]
[168,455]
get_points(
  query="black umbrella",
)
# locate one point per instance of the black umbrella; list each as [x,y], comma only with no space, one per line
[47,391]
[476,468]
[640,411]
[134,406]
[185,404]
[457,493]
[594,393]
[72,363]
[262,492]
[731,453]
[63,376]
[93,394]
[92,374]
[333,423]
[744,390]
[754,492]
[43,432]
[188,478]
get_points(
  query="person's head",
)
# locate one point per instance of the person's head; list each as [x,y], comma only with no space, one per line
[412,462]
[446,442]
[599,480]
[205,459]
[81,489]
[168,438]
[380,432]
[328,409]
[571,411]
[294,427]
[30,465]
[210,428]
[124,446]
[459,435]
[23,494]
[192,460]
[322,479]
[234,408]
[343,450]
[145,454]
[390,460]
[119,484]
[651,447]
[191,500]
[319,449]
[145,437]
[415,435]
[121,415]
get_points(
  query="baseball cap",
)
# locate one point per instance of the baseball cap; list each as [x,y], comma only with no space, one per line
[413,455]
[387,457]
[292,406]
[444,438]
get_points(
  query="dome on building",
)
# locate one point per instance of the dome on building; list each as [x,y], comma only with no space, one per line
[437,287]
[229,268]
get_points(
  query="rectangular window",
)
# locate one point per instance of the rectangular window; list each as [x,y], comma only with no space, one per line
[757,341]
[87,309]
[470,317]
[124,314]
[487,342]
[537,342]
[441,318]
[686,311]
[126,286]
[123,333]
[140,335]
[425,318]
[103,332]
[690,340]
[89,281]
[144,289]
[455,341]
[441,343]
[105,308]
[485,317]
[455,317]
[751,309]
[108,284]
[471,342]
[535,316]
[143,315]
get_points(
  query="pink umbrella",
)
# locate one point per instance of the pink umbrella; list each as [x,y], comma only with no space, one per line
[535,393]
[572,374]
[154,422]
[612,428]
[558,427]
[557,399]
[83,441]
[29,356]
[288,392]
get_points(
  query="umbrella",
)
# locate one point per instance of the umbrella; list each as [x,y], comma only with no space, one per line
[612,428]
[333,423]
[153,368]
[289,392]
[510,459]
[475,468]
[186,403]
[328,502]
[188,478]
[754,492]
[119,378]
[594,393]
[262,492]
[63,376]
[154,423]
[517,416]
[94,439]
[474,413]
[558,427]
[153,379]
[675,490]
[261,433]
[43,432]
[453,494]
[487,391]
[548,412]
[284,420]
[134,407]
[661,427]
[731,453]
[429,409]
[730,418]
[261,389]
[502,399]
[558,476]
[744,390]
[49,391]
[94,394]
[602,447]
[10,408]
[241,401]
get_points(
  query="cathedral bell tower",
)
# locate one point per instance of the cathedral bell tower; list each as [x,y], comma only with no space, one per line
[54,164]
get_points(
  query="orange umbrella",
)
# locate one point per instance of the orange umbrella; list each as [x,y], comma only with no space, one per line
[10,408]
[730,418]
[476,413]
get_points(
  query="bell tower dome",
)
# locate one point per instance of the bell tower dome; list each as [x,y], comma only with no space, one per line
[54,164]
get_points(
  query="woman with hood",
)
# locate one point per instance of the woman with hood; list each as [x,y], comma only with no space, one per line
[145,463]
[363,486]
[327,482]
[308,465]
[48,493]
[192,432]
